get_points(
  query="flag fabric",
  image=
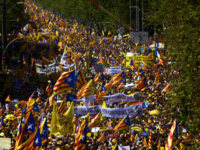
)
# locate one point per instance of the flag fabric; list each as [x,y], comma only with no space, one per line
[80,79]
[145,143]
[37,140]
[86,90]
[49,88]
[65,82]
[8,99]
[22,103]
[115,147]
[96,121]
[18,112]
[157,77]
[74,120]
[150,140]
[63,107]
[145,66]
[170,137]
[52,99]
[82,142]
[142,85]
[43,131]
[123,82]
[2,124]
[102,93]
[159,146]
[124,123]
[103,137]
[101,58]
[35,107]
[31,125]
[54,127]
[181,146]
[160,57]
[132,137]
[117,80]
[99,78]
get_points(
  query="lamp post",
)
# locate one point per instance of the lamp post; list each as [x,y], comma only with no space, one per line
[3,36]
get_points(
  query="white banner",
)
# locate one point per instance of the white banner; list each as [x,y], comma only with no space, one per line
[82,110]
[123,147]
[47,69]
[121,97]
[52,68]
[115,70]
[122,112]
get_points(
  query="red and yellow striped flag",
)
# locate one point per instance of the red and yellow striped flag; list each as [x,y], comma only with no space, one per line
[145,143]
[96,121]
[86,90]
[168,145]
[124,123]
[65,82]
[157,77]
[63,107]
[150,140]
[103,137]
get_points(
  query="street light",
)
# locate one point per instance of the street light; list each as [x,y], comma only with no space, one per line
[15,5]
[3,35]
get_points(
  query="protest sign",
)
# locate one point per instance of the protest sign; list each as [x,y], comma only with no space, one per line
[122,112]
[138,59]
[5,143]
[115,70]
[121,97]
[82,110]
[47,69]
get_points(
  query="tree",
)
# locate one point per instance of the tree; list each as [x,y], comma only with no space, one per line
[180,19]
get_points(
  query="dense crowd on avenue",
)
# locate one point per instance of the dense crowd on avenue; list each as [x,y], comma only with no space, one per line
[66,88]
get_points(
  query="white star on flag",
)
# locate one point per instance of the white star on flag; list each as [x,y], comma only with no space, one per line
[83,136]
[30,126]
[43,132]
[69,79]
[36,141]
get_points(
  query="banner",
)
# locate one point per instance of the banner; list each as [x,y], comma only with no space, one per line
[5,143]
[115,70]
[121,97]
[138,59]
[50,68]
[82,110]
[122,112]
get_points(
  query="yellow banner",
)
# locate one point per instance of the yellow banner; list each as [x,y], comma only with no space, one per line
[138,59]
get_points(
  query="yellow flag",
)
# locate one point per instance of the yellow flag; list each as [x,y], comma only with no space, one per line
[87,117]
[154,112]
[104,104]
[54,128]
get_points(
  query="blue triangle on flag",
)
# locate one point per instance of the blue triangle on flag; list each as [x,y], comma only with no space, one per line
[24,110]
[70,79]
[103,88]
[36,108]
[31,125]
[37,140]
[127,121]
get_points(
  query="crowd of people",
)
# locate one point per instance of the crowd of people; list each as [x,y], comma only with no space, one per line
[68,45]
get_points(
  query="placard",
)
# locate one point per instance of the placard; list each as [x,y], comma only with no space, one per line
[5,143]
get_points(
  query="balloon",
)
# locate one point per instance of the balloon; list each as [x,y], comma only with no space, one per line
[89,134]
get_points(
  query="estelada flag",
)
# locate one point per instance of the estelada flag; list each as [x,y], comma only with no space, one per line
[65,82]
[86,90]
[124,123]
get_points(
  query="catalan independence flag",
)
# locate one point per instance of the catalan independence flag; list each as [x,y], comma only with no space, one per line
[124,123]
[102,93]
[80,79]
[123,82]
[96,121]
[63,107]
[142,84]
[43,131]
[65,82]
[99,78]
[49,88]
[81,144]
[170,137]
[103,137]
[86,90]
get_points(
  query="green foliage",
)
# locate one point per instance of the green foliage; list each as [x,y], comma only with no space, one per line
[180,19]
[16,13]
[87,11]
